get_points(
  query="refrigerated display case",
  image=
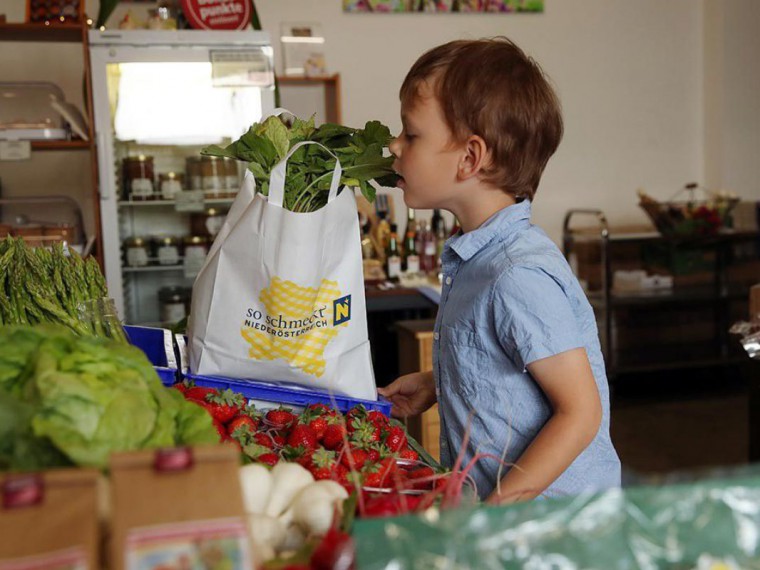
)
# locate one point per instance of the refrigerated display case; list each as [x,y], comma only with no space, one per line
[159,97]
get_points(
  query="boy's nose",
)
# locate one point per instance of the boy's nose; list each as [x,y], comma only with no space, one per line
[395,147]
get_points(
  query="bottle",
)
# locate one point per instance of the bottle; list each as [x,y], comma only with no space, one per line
[427,256]
[410,223]
[383,231]
[440,241]
[393,256]
[368,250]
[411,260]
[437,222]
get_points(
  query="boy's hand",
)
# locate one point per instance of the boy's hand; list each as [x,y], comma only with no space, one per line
[411,394]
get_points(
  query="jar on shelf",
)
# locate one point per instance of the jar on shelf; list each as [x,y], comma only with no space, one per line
[168,250]
[196,247]
[172,304]
[207,223]
[232,180]
[170,184]
[137,251]
[193,173]
[213,177]
[138,177]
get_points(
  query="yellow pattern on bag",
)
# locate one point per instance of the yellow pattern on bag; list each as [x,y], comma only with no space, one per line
[290,301]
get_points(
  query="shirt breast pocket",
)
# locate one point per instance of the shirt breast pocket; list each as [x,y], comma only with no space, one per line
[466,363]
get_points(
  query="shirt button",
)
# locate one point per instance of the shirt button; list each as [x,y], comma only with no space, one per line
[448,280]
[436,336]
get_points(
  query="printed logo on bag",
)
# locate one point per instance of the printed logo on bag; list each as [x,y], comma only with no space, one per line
[341,310]
[295,323]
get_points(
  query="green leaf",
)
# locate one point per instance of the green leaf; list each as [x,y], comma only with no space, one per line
[216,150]
[277,133]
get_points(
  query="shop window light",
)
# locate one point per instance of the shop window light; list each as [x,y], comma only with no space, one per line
[176,104]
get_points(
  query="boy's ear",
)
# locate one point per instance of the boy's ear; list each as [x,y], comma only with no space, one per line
[475,157]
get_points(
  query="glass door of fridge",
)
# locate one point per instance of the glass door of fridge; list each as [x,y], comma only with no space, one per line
[156,106]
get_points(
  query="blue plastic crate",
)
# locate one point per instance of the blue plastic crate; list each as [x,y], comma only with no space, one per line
[269,395]
[158,346]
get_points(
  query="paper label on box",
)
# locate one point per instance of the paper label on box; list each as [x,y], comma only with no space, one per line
[15,150]
[69,559]
[220,543]
[189,201]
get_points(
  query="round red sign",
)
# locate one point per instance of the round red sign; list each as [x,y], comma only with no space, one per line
[217,14]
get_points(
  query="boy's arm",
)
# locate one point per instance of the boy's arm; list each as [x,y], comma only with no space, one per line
[568,382]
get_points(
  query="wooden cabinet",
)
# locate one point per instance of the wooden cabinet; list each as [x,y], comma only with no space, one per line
[415,347]
[53,35]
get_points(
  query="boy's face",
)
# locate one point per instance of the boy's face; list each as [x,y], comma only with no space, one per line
[425,158]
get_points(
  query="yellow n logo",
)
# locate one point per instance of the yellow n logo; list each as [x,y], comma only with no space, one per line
[341,310]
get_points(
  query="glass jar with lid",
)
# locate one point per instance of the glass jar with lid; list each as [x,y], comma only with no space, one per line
[168,250]
[232,180]
[173,304]
[196,249]
[213,177]
[170,184]
[208,223]
[138,177]
[136,250]
[193,173]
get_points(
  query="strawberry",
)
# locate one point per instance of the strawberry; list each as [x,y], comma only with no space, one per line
[221,430]
[341,474]
[422,473]
[182,387]
[335,550]
[226,405]
[316,420]
[263,439]
[409,454]
[270,459]
[199,393]
[261,454]
[355,418]
[365,433]
[354,458]
[302,436]
[322,464]
[281,418]
[279,440]
[374,479]
[334,436]
[395,438]
[319,409]
[241,422]
[378,419]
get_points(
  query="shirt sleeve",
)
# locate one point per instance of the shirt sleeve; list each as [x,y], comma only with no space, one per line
[534,317]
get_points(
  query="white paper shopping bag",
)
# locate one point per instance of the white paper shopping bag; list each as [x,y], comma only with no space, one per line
[281,296]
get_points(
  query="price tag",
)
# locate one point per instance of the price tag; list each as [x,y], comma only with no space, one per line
[242,68]
[15,150]
[189,201]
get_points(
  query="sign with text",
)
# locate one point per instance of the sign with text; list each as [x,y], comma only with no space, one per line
[218,14]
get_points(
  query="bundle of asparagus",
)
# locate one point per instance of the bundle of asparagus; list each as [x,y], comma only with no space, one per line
[40,285]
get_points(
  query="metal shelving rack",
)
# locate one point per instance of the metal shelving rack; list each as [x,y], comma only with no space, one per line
[718,295]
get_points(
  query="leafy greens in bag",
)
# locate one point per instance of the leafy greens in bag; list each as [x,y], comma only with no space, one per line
[309,170]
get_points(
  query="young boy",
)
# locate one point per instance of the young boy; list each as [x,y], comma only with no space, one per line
[517,359]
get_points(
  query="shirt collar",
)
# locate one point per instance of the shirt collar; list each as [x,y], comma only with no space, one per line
[502,224]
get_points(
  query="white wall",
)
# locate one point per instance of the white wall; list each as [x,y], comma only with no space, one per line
[634,78]
[629,75]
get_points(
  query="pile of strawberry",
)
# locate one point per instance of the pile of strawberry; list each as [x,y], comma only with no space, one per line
[360,449]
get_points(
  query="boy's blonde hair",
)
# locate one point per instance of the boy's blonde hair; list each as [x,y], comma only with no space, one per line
[490,88]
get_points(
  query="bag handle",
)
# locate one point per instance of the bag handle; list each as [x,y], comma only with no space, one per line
[277,178]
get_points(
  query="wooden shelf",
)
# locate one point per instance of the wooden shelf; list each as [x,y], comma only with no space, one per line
[308,79]
[61,145]
[41,33]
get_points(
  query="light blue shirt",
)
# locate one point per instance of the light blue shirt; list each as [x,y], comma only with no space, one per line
[509,298]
